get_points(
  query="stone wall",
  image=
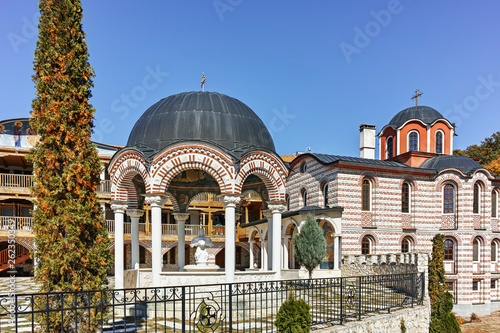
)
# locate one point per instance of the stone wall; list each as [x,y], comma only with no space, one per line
[383,264]
[416,320]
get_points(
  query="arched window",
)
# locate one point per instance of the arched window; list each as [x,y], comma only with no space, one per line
[494,250]
[494,203]
[287,201]
[366,245]
[303,194]
[405,198]
[475,249]
[475,202]
[366,195]
[449,199]
[324,191]
[413,141]
[439,142]
[406,245]
[390,146]
[303,167]
[449,249]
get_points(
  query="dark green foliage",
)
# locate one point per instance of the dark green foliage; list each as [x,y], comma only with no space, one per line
[310,245]
[293,316]
[70,235]
[486,152]
[442,317]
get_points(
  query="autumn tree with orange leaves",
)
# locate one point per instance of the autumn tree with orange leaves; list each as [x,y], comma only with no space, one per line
[71,240]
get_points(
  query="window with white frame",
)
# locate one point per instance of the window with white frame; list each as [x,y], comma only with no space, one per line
[324,192]
[406,244]
[390,147]
[439,142]
[303,194]
[367,245]
[476,249]
[494,250]
[449,199]
[413,141]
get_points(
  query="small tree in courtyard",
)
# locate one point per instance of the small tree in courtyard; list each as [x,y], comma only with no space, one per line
[442,317]
[70,235]
[310,245]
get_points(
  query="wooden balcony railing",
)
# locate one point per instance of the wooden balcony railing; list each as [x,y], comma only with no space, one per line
[16,223]
[13,180]
[168,229]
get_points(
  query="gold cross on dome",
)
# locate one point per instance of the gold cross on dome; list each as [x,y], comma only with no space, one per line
[418,93]
[203,79]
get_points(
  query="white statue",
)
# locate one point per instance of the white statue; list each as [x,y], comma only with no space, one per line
[201,254]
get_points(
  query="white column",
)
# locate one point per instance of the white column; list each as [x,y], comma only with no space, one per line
[269,250]
[336,252]
[250,246]
[135,215]
[181,219]
[285,253]
[119,208]
[156,201]
[276,208]
[265,265]
[230,202]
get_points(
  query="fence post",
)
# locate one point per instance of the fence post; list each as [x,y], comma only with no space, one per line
[230,285]
[413,289]
[341,301]
[183,307]
[359,297]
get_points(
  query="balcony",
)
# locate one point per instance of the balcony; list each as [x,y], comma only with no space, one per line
[15,223]
[26,181]
[17,181]
[168,229]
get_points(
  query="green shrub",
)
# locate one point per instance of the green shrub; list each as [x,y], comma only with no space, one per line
[293,316]
[403,326]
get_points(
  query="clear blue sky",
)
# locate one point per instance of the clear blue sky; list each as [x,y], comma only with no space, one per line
[312,70]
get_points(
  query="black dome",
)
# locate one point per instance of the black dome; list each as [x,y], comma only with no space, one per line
[200,116]
[441,162]
[423,113]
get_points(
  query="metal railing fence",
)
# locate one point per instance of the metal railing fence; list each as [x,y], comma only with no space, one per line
[226,307]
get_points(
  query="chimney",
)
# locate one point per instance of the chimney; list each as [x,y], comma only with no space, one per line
[367,141]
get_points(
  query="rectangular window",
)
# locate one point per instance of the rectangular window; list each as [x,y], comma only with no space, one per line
[405,198]
[451,286]
[494,202]
[366,195]
[475,251]
[475,202]
[493,284]
[494,251]
[449,198]
[475,285]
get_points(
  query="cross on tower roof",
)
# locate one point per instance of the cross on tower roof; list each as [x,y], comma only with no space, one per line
[418,93]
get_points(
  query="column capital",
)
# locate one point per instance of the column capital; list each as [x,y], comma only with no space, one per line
[155,199]
[268,214]
[119,206]
[135,213]
[276,206]
[181,217]
[230,200]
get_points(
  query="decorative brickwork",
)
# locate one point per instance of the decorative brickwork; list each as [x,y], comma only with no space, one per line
[447,222]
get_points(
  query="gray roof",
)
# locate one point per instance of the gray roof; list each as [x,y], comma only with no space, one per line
[441,162]
[334,159]
[425,114]
[200,116]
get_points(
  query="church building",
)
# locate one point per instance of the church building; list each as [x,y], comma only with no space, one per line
[204,163]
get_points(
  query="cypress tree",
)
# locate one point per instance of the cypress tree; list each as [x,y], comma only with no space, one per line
[442,317]
[70,236]
[310,245]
